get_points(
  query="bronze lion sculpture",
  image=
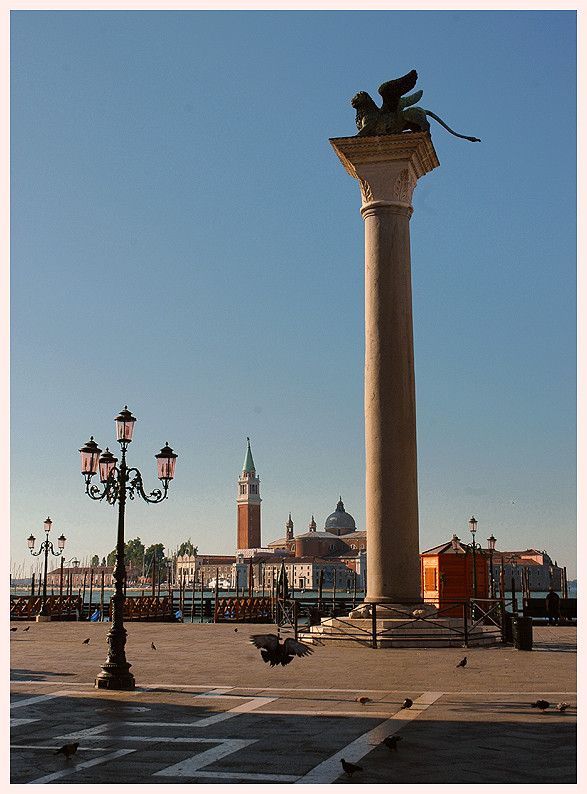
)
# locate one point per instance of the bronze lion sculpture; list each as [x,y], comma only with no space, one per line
[396,114]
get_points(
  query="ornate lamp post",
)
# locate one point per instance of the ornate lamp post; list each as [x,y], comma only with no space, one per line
[473,528]
[120,481]
[491,546]
[46,546]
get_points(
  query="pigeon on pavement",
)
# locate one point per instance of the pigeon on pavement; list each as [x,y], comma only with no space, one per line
[362,700]
[13,628]
[407,704]
[276,652]
[563,706]
[68,749]
[540,704]
[85,642]
[27,628]
[462,663]
[153,646]
[391,741]
[350,768]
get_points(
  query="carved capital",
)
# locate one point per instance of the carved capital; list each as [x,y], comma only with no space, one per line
[387,167]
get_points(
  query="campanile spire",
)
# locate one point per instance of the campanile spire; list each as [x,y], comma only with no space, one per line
[248,505]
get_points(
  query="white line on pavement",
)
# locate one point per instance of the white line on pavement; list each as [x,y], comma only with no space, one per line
[83,765]
[190,766]
[246,776]
[16,721]
[330,769]
[36,699]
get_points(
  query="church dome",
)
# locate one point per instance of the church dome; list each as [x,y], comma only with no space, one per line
[340,520]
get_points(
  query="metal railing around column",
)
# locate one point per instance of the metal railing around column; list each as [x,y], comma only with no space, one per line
[490,616]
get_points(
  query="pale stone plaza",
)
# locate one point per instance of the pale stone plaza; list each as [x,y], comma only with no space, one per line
[206,709]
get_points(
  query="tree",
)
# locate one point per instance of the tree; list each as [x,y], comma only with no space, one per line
[95,561]
[157,551]
[103,563]
[134,551]
[187,547]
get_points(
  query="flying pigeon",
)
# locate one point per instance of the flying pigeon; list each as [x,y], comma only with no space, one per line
[68,749]
[462,663]
[391,741]
[563,706]
[362,700]
[85,642]
[407,704]
[276,652]
[153,646]
[540,704]
[350,768]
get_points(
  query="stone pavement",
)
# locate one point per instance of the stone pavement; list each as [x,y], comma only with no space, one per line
[207,709]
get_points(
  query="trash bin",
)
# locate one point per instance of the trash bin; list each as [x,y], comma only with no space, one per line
[507,627]
[522,633]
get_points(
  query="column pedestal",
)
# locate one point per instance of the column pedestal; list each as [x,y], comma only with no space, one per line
[387,168]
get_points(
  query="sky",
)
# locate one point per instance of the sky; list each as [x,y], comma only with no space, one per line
[185,241]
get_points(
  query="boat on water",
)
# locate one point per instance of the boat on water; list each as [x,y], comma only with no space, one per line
[223,584]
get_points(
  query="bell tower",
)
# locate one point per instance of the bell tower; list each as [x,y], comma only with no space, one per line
[248,505]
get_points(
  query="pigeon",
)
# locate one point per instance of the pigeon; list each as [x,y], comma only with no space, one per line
[407,704]
[13,628]
[350,768]
[540,704]
[362,700]
[85,642]
[276,652]
[27,628]
[391,741]
[462,663]
[68,749]
[563,706]
[153,646]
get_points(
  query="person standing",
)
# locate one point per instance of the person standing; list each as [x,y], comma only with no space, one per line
[552,606]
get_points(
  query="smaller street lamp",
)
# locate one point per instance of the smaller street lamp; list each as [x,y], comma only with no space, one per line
[46,546]
[473,528]
[491,546]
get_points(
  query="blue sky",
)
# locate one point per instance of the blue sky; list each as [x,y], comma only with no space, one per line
[184,240]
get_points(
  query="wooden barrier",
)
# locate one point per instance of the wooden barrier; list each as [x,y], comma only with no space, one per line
[59,607]
[155,608]
[536,608]
[244,610]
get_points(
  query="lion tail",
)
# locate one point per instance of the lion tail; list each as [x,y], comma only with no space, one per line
[446,127]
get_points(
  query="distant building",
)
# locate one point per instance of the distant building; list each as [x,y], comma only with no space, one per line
[340,544]
[77,575]
[537,566]
[190,568]
[248,505]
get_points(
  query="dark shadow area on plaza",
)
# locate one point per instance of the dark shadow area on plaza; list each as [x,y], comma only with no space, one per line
[516,747]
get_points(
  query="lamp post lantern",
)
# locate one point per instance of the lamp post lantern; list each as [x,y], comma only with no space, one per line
[46,546]
[120,481]
[491,546]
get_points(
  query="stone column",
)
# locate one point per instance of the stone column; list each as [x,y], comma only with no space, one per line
[388,168]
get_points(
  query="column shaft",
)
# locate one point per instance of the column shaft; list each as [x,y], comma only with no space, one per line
[393,573]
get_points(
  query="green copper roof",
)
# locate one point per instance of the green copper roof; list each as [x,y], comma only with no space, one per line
[248,464]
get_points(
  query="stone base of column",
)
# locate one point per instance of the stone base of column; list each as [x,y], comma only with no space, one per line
[400,631]
[386,611]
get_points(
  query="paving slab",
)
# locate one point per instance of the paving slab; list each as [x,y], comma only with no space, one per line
[208,710]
